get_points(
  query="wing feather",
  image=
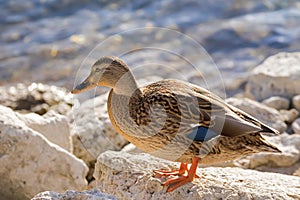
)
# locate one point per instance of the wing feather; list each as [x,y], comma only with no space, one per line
[211,111]
[235,121]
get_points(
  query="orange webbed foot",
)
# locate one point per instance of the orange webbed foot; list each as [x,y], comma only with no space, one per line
[184,174]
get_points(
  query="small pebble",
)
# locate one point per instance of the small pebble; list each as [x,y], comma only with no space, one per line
[296,126]
[289,115]
[296,102]
[279,103]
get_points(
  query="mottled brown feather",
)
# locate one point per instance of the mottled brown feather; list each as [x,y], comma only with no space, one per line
[159,117]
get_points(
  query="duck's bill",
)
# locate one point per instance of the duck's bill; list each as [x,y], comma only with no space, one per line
[85,85]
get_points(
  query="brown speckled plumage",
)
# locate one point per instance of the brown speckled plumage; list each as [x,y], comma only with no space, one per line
[160,118]
[162,113]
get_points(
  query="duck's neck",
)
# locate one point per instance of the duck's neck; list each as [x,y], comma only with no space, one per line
[118,104]
[126,85]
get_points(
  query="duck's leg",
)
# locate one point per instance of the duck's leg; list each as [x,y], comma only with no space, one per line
[174,183]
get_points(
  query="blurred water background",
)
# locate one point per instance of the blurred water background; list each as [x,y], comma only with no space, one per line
[47,40]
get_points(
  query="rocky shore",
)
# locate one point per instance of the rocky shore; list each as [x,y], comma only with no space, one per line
[49,151]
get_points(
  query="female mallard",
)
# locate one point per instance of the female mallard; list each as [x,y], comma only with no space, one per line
[176,120]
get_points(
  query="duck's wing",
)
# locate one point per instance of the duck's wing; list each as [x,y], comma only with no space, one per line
[229,119]
[202,114]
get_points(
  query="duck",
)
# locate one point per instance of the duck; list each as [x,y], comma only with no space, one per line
[176,120]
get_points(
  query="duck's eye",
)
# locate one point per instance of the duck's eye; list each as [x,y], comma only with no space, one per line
[97,70]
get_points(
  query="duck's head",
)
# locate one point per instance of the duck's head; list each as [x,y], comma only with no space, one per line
[107,71]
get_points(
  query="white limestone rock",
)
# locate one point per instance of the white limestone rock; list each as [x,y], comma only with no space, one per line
[289,115]
[267,115]
[92,132]
[278,75]
[74,195]
[130,176]
[296,126]
[30,163]
[131,148]
[53,126]
[279,103]
[296,102]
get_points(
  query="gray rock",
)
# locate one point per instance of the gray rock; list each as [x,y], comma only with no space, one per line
[296,102]
[267,115]
[289,115]
[53,126]
[296,126]
[92,132]
[131,177]
[278,75]
[279,103]
[31,164]
[74,195]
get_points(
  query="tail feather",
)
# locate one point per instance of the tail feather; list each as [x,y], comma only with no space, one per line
[265,146]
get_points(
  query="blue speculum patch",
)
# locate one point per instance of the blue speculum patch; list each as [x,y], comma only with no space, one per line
[202,134]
